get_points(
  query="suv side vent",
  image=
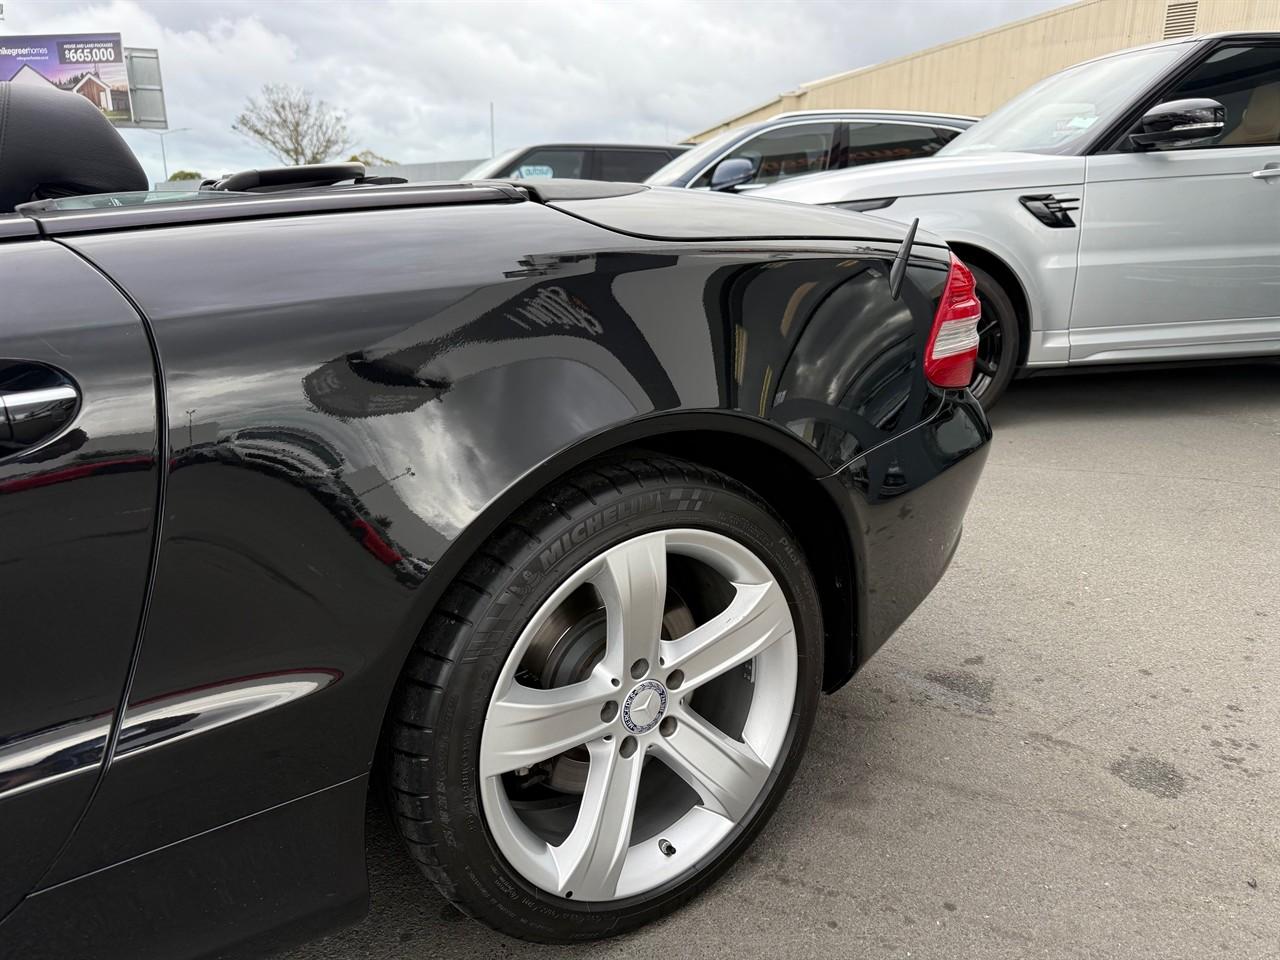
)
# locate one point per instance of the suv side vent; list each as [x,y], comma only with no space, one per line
[1050,210]
[1180,18]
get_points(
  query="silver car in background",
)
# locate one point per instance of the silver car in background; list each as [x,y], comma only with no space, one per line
[803,142]
[1124,210]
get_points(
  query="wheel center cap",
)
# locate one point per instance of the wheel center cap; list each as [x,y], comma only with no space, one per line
[644,706]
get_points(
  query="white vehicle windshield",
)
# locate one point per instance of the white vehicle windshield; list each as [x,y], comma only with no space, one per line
[1050,116]
[489,168]
[691,160]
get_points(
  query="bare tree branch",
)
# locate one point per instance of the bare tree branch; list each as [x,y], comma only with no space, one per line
[292,126]
[371,158]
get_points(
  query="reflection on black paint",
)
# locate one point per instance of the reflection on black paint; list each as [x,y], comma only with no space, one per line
[309,462]
[855,380]
[379,380]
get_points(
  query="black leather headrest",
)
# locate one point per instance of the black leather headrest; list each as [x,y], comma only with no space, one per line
[54,143]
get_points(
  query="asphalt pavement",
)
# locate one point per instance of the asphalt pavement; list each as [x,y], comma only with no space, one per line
[1070,750]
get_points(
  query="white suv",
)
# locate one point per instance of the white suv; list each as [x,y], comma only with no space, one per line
[1126,209]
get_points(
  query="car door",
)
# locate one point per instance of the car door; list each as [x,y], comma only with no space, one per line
[566,162]
[1180,248]
[79,481]
[626,165]
[777,153]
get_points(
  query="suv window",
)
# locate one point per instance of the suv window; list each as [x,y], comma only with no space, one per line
[628,166]
[554,162]
[1245,80]
[877,142]
[783,152]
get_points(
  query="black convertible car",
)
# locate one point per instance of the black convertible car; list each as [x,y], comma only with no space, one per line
[546,511]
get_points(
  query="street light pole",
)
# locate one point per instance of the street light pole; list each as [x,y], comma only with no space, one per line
[164,157]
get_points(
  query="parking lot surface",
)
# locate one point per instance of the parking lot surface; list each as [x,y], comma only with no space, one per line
[1070,750]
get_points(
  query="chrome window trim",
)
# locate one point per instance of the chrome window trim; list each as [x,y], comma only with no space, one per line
[285,203]
[878,113]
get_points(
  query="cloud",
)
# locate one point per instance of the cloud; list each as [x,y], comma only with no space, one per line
[415,79]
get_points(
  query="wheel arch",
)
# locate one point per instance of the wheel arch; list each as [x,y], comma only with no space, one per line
[767,458]
[808,510]
[1005,275]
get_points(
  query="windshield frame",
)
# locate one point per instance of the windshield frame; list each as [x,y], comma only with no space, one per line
[1182,52]
[488,169]
[693,162]
[127,200]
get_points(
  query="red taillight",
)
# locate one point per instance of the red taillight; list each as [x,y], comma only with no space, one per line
[953,344]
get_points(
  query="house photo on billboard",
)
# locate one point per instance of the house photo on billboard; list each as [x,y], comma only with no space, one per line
[90,65]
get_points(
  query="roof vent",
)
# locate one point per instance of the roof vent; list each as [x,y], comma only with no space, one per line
[1180,19]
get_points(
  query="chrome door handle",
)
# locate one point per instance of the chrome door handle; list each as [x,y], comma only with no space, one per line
[30,416]
[1267,172]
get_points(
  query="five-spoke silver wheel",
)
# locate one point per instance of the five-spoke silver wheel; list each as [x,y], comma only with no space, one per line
[640,715]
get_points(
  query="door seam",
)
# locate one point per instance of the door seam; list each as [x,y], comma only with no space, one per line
[162,457]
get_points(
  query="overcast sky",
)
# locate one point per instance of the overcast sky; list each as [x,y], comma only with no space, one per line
[415,79]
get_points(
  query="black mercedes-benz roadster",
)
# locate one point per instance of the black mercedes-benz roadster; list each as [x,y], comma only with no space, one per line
[548,511]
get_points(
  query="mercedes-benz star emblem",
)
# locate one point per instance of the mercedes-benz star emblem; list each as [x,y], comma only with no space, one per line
[644,706]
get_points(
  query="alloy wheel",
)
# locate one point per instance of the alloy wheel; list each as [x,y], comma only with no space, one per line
[639,717]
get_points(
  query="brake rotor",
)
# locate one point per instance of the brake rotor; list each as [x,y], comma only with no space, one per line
[567,648]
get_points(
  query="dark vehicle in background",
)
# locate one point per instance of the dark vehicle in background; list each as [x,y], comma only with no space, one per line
[479,494]
[808,141]
[613,162]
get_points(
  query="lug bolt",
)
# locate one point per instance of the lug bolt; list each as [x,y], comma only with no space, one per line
[609,711]
[639,668]
[628,746]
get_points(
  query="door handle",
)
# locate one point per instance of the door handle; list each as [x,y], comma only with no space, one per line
[1269,172]
[29,416]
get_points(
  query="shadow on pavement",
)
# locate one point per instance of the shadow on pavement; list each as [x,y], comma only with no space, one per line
[1144,393]
[409,920]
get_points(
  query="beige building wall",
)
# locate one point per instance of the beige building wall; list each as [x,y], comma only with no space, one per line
[976,74]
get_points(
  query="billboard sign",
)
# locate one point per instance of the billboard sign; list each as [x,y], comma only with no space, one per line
[91,65]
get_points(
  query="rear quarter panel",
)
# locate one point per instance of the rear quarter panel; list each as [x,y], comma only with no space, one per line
[347,395]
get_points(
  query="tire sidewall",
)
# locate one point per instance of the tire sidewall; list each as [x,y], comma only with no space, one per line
[473,856]
[990,291]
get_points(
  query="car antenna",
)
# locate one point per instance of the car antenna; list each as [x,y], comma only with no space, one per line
[899,268]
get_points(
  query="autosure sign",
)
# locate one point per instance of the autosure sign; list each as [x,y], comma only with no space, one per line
[90,65]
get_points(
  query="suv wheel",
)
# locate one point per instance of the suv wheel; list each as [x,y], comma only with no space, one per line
[609,702]
[998,335]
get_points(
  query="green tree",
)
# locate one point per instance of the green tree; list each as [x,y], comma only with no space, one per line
[293,126]
[186,175]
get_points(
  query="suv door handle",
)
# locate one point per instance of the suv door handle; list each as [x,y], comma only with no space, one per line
[29,416]
[1268,172]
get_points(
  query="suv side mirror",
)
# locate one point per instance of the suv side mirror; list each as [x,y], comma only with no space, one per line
[1180,123]
[731,173]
